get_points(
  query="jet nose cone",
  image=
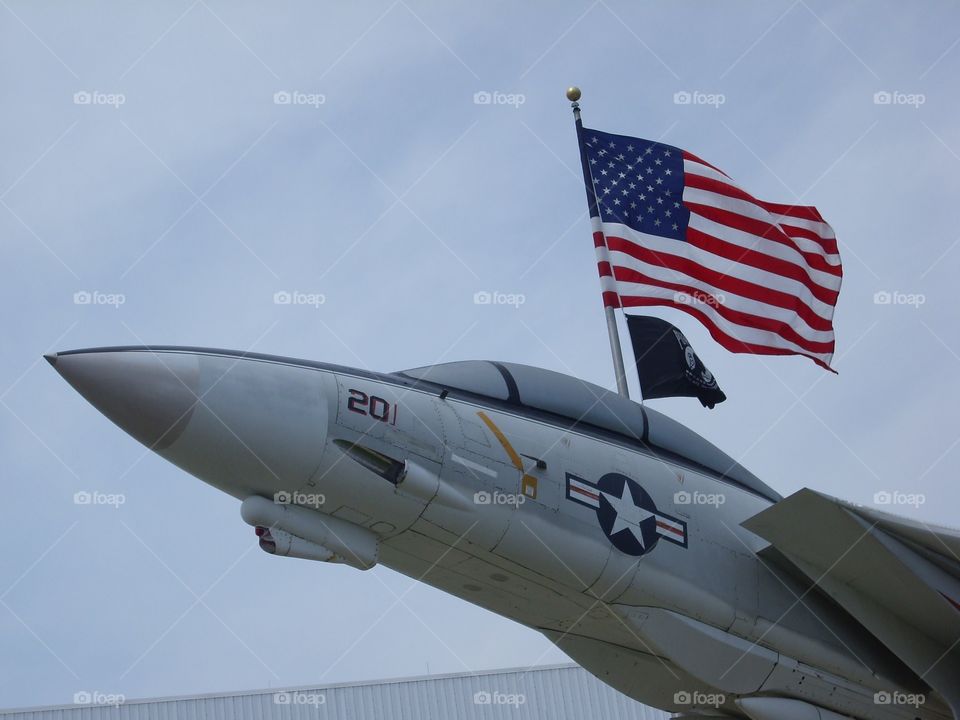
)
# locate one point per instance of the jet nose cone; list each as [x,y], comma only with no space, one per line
[149,395]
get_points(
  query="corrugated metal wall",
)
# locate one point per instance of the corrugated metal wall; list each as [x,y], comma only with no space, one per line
[553,693]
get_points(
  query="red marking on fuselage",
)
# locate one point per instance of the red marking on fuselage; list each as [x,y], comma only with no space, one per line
[589,494]
[669,528]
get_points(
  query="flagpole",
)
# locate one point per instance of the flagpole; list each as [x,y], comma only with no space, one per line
[573,95]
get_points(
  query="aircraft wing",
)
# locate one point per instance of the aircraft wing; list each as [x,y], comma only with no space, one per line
[899,578]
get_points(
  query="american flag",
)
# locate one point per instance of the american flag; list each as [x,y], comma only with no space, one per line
[671,229]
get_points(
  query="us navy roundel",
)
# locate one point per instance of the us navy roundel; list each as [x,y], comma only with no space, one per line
[626,513]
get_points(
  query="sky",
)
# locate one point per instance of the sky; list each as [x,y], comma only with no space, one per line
[169,168]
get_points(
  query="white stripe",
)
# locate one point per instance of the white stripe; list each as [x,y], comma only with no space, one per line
[473,466]
[742,333]
[692,167]
[765,246]
[822,229]
[732,269]
[676,534]
[748,209]
[578,489]
[722,297]
[672,523]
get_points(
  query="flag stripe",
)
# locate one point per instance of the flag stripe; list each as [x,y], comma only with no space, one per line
[627,277]
[630,269]
[829,245]
[710,192]
[722,274]
[806,220]
[704,163]
[738,343]
[761,229]
[746,241]
[696,177]
[754,258]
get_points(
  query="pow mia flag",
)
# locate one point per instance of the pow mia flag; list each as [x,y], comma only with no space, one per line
[667,364]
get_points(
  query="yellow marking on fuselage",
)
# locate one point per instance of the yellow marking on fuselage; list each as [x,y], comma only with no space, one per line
[528,483]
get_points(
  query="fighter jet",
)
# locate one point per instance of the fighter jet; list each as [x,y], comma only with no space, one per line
[645,553]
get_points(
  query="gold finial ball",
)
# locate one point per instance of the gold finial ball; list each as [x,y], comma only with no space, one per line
[573,93]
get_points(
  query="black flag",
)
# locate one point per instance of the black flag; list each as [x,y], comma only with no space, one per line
[667,364]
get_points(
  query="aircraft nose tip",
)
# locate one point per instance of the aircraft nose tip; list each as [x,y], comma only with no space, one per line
[149,395]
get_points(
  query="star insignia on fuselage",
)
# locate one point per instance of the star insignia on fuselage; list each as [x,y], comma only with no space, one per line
[627,514]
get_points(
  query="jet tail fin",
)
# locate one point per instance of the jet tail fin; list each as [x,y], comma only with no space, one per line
[899,578]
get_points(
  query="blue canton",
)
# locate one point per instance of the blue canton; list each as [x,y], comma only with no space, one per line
[638,183]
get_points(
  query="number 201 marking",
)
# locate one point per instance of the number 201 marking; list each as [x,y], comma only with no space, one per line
[372,405]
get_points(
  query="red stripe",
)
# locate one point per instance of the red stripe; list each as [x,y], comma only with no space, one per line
[721,188]
[720,280]
[604,267]
[669,528]
[829,245]
[730,190]
[691,156]
[585,492]
[766,231]
[598,239]
[738,317]
[753,258]
[807,212]
[730,343]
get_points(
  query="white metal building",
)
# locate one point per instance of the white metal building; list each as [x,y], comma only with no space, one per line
[556,692]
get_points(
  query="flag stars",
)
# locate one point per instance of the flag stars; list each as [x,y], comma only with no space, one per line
[637,183]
